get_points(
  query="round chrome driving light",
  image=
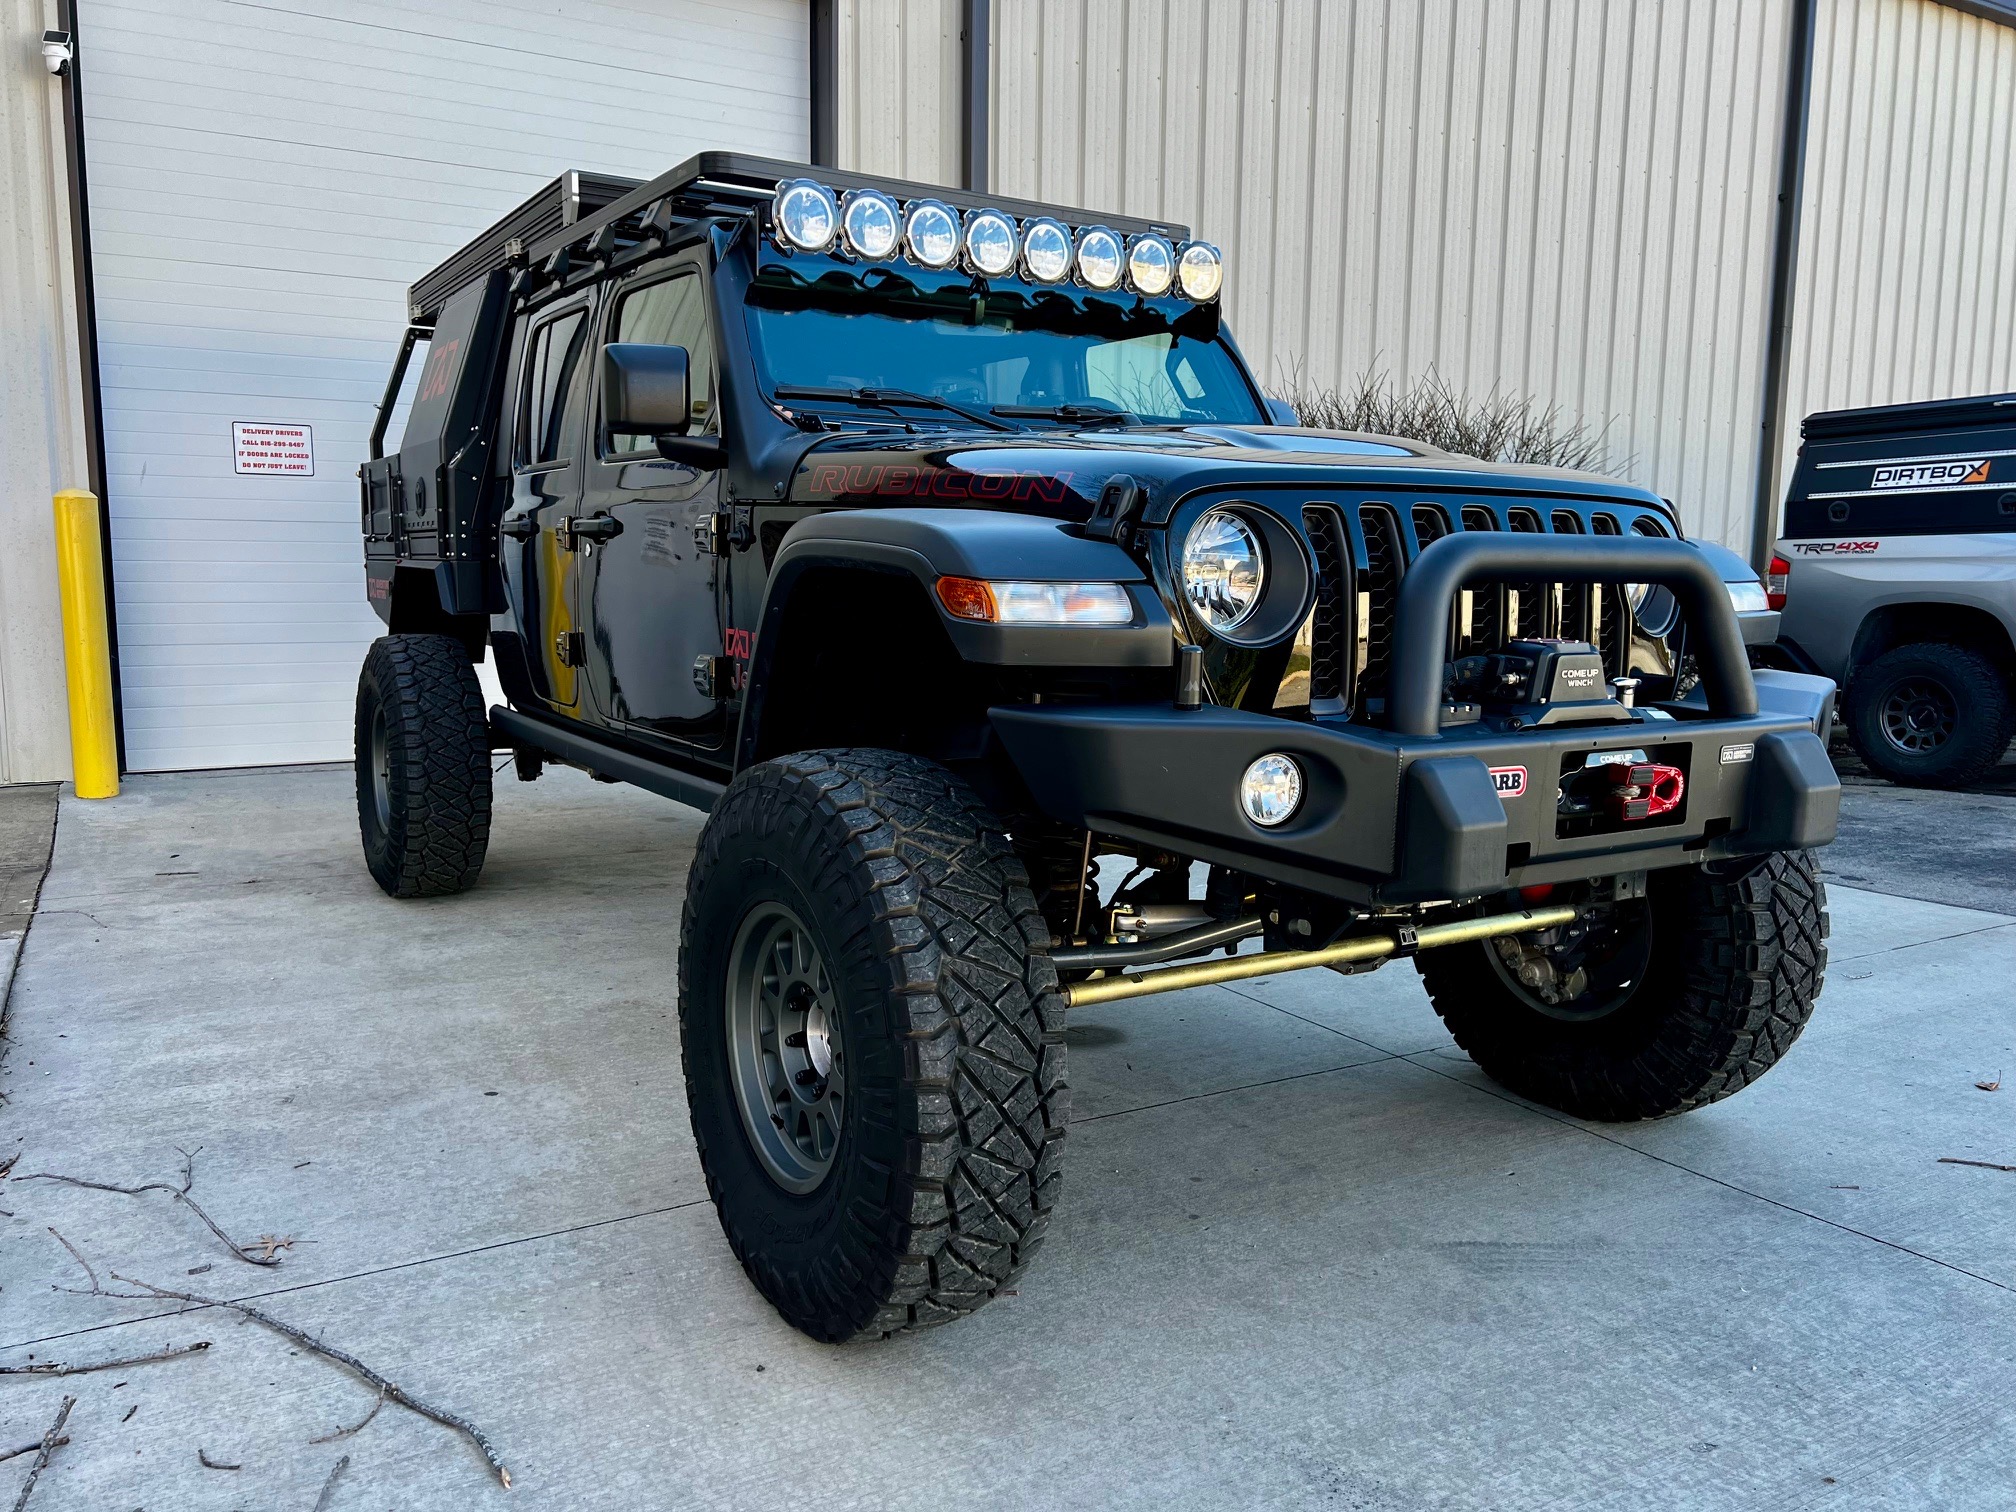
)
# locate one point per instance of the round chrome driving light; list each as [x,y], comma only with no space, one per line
[870,224]
[1151,265]
[1224,569]
[805,214]
[1200,272]
[931,234]
[1271,790]
[990,244]
[1046,250]
[1101,258]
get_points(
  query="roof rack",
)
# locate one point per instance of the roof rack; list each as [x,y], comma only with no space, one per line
[560,204]
[607,216]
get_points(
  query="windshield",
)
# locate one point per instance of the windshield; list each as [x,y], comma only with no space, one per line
[1052,360]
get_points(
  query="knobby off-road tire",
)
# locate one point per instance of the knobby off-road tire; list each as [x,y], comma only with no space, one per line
[1930,715]
[942,1027]
[1738,953]
[423,766]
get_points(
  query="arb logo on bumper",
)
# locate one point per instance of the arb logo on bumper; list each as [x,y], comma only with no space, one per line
[1510,782]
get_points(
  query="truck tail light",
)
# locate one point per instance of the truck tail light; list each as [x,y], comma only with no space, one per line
[1776,576]
[1645,790]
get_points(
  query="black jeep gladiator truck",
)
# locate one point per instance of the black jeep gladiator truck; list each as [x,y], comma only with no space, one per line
[939,546]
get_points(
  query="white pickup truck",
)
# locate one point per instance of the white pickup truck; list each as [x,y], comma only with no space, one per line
[1896,577]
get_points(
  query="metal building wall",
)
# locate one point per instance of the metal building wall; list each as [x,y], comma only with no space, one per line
[42,426]
[899,104]
[1907,268]
[1565,198]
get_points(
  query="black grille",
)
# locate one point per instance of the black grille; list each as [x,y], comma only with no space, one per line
[1327,648]
[1378,597]
[1361,550]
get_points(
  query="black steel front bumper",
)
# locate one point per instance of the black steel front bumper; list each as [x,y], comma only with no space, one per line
[1416,812]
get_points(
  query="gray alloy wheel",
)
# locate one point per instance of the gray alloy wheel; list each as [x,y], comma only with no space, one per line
[1919,715]
[784,1051]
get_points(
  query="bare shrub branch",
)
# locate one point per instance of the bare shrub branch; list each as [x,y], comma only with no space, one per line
[1499,427]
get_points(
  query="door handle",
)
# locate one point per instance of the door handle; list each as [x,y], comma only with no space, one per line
[519,527]
[597,528]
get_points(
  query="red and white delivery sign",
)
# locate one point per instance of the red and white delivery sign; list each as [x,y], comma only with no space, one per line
[261,446]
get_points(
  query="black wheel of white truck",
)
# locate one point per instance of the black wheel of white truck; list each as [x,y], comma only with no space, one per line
[1663,1006]
[423,766]
[873,1041]
[1930,715]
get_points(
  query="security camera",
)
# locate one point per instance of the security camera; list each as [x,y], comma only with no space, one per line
[56,51]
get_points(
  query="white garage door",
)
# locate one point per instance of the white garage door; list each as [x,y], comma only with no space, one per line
[265,180]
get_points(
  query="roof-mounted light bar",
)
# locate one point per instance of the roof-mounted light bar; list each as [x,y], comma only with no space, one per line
[871,226]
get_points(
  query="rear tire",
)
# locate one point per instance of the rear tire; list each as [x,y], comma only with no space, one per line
[423,766]
[1930,715]
[873,1042]
[1713,999]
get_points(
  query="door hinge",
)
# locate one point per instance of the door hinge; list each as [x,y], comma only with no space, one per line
[713,676]
[570,648]
[710,534]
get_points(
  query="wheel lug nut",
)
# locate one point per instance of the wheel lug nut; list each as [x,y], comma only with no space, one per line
[796,1040]
[807,1077]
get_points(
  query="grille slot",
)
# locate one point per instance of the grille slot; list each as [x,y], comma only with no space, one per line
[1378,596]
[1430,525]
[1329,621]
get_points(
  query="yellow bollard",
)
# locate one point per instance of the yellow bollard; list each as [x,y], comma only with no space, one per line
[87,649]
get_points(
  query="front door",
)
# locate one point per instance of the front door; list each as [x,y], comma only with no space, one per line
[535,537]
[654,594]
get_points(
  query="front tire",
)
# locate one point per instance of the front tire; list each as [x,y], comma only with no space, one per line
[1930,715]
[872,1040]
[1696,993]
[423,766]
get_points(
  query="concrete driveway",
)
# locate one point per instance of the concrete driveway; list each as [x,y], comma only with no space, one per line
[1307,1257]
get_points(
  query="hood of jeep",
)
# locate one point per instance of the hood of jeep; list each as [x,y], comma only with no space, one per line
[1061,472]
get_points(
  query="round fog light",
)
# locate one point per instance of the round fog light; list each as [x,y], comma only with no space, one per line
[1271,790]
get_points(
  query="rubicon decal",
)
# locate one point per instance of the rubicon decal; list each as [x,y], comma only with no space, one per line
[1509,782]
[1960,470]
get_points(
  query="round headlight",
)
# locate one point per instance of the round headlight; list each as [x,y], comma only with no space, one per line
[806,215]
[1100,258]
[870,223]
[1200,271]
[1046,251]
[1271,790]
[931,234]
[1223,569]
[990,243]
[1151,265]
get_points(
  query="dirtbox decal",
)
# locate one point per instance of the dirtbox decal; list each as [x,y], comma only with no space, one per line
[1510,782]
[1930,474]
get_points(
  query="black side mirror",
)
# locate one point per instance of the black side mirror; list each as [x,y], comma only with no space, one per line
[646,389]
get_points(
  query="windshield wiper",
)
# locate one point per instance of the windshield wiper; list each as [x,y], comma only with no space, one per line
[1080,413]
[889,399]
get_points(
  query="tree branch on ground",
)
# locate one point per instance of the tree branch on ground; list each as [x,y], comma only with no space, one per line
[209,1464]
[29,1448]
[49,1442]
[54,1369]
[181,1195]
[358,1427]
[1986,1165]
[391,1390]
[329,1485]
